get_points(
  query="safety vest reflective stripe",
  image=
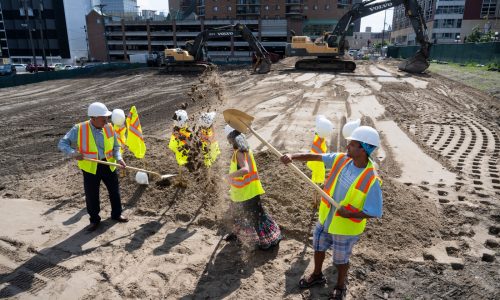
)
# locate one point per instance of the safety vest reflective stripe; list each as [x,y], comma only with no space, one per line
[334,173]
[207,136]
[134,128]
[316,146]
[119,135]
[181,136]
[85,141]
[365,180]
[248,178]
[108,130]
[350,208]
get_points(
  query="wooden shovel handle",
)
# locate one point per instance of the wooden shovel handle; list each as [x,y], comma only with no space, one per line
[295,169]
[120,166]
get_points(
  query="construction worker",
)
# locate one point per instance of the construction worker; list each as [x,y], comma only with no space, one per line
[252,225]
[96,139]
[209,145]
[324,128]
[180,140]
[352,182]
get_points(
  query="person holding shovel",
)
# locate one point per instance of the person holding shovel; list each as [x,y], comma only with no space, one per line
[252,225]
[352,181]
[180,140]
[96,139]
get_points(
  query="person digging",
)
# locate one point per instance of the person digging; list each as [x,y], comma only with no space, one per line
[352,182]
[180,143]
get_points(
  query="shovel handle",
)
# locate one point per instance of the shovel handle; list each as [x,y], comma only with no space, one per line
[118,165]
[295,168]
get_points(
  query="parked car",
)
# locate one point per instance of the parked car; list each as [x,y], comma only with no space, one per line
[20,67]
[7,70]
[31,68]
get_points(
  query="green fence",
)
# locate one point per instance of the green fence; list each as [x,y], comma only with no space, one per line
[460,53]
[21,79]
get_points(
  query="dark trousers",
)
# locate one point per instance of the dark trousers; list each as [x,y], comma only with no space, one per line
[91,185]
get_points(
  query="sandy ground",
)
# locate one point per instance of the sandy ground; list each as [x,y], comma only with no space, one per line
[438,239]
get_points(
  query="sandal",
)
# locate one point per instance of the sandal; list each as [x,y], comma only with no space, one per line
[338,294]
[314,280]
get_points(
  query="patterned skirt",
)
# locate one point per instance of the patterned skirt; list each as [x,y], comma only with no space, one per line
[253,226]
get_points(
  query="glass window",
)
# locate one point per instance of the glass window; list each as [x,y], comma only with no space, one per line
[229,8]
[277,7]
[216,8]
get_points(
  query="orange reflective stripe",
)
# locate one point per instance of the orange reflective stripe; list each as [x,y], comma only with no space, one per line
[334,173]
[84,141]
[365,179]
[316,146]
[108,130]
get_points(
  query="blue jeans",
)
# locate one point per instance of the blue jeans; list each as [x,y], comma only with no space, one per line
[91,185]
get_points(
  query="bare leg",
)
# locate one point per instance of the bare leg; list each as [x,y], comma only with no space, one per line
[342,274]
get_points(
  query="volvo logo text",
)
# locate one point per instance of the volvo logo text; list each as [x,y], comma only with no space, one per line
[381,6]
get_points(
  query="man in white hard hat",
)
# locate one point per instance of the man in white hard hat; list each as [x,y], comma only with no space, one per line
[351,181]
[96,139]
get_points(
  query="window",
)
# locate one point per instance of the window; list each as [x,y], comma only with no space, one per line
[266,7]
[315,7]
[216,9]
[488,8]
[229,8]
[277,7]
[327,6]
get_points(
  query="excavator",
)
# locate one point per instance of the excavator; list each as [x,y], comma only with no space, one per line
[194,57]
[330,49]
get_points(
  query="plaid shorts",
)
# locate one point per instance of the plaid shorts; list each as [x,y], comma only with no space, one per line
[340,244]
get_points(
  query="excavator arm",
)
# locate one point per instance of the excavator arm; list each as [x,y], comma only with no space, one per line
[413,12]
[197,48]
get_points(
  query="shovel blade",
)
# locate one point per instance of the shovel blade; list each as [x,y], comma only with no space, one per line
[238,119]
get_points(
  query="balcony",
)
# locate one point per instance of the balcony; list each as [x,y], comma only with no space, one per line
[248,2]
[294,8]
[294,2]
[248,11]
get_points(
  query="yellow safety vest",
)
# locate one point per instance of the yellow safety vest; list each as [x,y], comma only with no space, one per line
[245,187]
[178,144]
[88,147]
[354,199]
[317,167]
[209,145]
[121,135]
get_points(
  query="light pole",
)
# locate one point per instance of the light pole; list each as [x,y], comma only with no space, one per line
[383,31]
[41,34]
[26,13]
[87,40]
[101,6]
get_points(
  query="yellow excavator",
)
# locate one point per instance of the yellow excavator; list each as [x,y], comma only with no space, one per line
[330,49]
[195,59]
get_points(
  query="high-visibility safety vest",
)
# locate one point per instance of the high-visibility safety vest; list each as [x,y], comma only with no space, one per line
[317,167]
[178,144]
[245,187]
[135,140]
[209,145]
[88,147]
[354,199]
[121,136]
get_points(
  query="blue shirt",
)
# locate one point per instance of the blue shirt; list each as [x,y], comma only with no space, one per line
[70,141]
[373,202]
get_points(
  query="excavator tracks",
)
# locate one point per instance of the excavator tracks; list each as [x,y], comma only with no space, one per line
[318,64]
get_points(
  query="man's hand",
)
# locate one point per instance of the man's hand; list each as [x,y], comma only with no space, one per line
[343,212]
[77,155]
[122,163]
[286,159]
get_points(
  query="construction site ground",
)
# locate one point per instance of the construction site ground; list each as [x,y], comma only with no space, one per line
[438,238]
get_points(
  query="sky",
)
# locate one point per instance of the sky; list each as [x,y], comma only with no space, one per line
[376,21]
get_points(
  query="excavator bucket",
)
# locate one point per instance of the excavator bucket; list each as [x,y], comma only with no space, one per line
[415,64]
[264,67]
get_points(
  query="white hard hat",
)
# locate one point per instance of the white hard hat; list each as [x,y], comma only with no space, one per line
[228,129]
[207,119]
[349,128]
[181,117]
[141,178]
[324,127]
[97,109]
[118,117]
[365,134]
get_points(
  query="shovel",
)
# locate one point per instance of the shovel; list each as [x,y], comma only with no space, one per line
[241,122]
[131,168]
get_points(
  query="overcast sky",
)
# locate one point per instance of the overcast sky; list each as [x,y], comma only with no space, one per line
[376,21]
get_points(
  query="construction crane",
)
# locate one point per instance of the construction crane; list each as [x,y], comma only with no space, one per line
[330,49]
[194,57]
